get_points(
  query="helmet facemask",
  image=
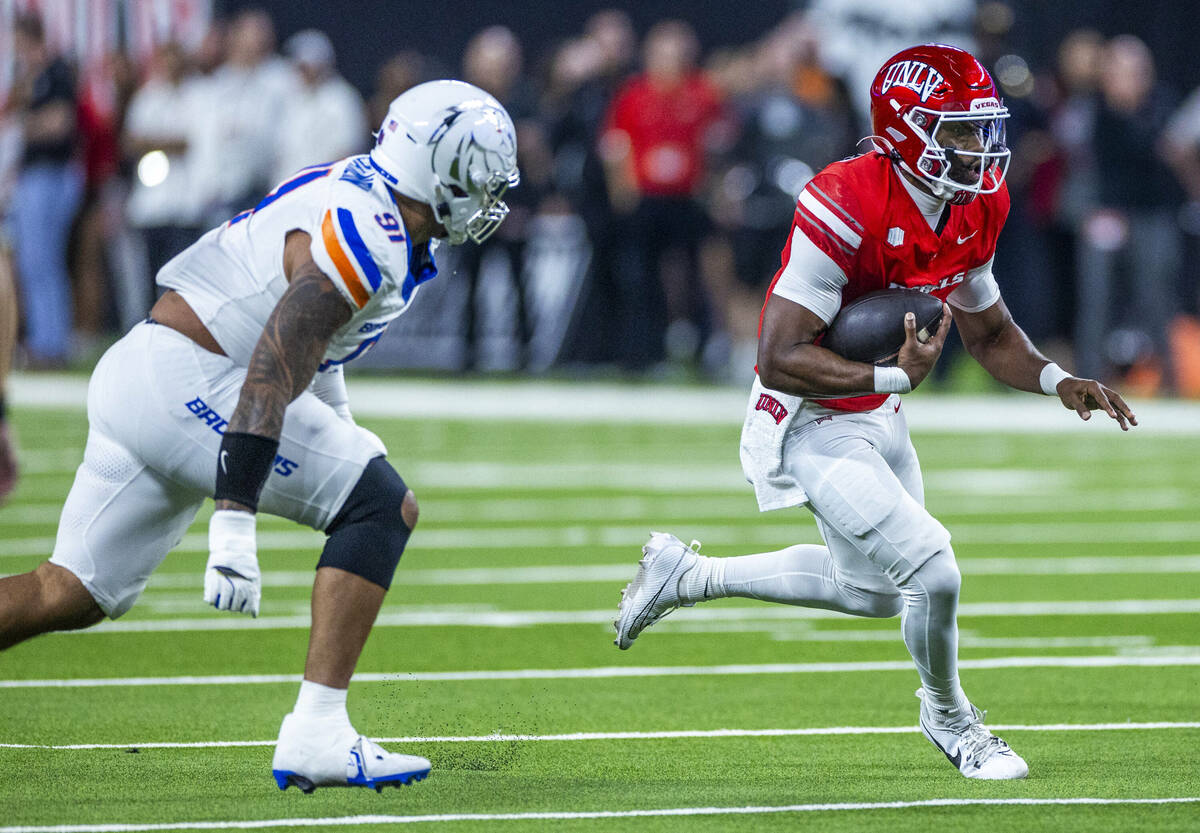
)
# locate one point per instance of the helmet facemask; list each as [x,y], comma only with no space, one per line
[475,213]
[474,165]
[965,153]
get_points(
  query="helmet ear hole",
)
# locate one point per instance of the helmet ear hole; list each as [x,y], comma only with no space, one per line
[456,191]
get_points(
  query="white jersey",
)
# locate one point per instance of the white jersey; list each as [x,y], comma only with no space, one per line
[232,277]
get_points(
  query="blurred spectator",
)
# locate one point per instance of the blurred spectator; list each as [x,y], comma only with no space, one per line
[785,138]
[162,204]
[48,190]
[1040,303]
[104,95]
[793,121]
[612,33]
[10,154]
[655,148]
[584,75]
[206,58]
[1134,226]
[235,124]
[1071,122]
[1182,145]
[10,162]
[493,61]
[325,118]
[400,72]
[857,36]
[8,341]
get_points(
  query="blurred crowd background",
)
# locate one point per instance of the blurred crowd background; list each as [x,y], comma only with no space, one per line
[661,157]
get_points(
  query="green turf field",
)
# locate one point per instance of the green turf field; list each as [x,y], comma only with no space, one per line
[1080,630]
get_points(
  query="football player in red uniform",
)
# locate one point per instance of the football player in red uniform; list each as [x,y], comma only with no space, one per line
[922,209]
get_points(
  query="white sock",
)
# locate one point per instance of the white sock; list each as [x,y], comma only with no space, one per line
[930,627]
[320,702]
[703,581]
[804,574]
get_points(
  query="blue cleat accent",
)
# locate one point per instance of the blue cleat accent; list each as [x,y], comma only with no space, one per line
[286,779]
[362,779]
[311,755]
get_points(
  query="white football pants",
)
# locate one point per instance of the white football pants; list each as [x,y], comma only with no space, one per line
[157,406]
[884,554]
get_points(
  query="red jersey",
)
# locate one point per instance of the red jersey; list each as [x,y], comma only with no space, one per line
[666,130]
[858,213]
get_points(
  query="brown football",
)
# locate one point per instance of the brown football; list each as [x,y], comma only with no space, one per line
[871,328]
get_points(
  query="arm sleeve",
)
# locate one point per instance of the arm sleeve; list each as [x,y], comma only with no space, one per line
[811,278]
[330,387]
[978,291]
[353,252]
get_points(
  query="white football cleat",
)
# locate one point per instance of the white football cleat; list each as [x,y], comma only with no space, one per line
[971,747]
[311,754]
[654,591]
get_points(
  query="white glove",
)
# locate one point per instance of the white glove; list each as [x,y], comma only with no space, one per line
[232,581]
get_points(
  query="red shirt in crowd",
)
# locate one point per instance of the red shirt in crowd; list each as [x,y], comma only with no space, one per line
[666,129]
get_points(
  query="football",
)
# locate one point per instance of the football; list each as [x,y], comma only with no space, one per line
[871,328]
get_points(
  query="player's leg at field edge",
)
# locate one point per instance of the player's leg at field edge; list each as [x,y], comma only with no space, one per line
[50,598]
[344,607]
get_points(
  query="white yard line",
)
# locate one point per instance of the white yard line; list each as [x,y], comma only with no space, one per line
[486,617]
[1080,565]
[714,535]
[602,573]
[951,503]
[585,402]
[719,475]
[668,735]
[358,821]
[608,672]
[623,571]
[800,632]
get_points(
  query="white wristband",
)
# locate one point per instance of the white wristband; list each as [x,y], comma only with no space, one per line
[1051,375]
[891,380]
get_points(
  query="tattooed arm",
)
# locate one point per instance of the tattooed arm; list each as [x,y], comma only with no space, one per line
[290,347]
[281,367]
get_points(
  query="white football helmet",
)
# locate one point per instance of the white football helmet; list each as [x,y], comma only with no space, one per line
[452,145]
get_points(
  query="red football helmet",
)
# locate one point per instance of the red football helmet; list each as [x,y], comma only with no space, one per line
[935,112]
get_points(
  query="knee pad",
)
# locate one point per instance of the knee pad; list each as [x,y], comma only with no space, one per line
[368,534]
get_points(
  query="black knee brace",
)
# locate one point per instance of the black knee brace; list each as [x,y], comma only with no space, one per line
[368,535]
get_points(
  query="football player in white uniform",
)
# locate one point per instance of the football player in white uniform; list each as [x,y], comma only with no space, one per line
[236,380]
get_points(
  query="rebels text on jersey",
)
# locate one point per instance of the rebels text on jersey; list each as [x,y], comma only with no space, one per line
[233,276]
[859,213]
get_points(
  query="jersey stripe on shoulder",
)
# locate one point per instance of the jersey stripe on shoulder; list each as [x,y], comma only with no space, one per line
[830,220]
[361,253]
[345,269]
[828,240]
[845,215]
